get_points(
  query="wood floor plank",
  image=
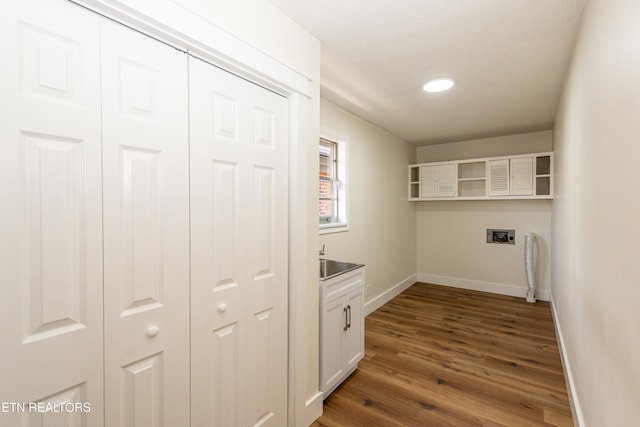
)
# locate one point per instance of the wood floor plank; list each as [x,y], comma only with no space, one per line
[441,356]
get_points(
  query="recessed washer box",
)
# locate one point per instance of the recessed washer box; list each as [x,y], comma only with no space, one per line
[505,237]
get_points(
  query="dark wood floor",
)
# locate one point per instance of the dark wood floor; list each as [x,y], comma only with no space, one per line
[440,356]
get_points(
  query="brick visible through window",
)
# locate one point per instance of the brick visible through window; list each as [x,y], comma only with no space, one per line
[328,181]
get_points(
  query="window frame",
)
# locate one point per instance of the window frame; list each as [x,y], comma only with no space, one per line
[339,186]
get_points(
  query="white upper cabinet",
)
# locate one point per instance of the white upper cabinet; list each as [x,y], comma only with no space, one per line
[510,177]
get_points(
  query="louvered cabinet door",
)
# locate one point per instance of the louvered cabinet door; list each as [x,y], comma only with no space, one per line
[521,176]
[511,177]
[447,180]
[499,177]
[146,229]
[428,181]
[50,220]
[437,180]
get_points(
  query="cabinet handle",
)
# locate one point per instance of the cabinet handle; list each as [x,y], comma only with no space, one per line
[346,319]
[348,316]
[152,331]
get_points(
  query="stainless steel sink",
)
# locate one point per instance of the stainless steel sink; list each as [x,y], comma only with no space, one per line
[330,268]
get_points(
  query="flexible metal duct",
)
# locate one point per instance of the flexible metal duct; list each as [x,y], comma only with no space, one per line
[529,241]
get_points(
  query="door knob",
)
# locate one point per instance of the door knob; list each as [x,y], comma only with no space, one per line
[152,331]
[222,307]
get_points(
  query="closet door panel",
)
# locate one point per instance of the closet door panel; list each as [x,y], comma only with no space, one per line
[267,257]
[239,250]
[146,226]
[218,247]
[51,221]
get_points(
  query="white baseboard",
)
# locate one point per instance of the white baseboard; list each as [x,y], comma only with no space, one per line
[388,295]
[576,410]
[476,285]
[312,409]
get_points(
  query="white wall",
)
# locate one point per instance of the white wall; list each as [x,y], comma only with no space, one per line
[451,235]
[452,249]
[596,271]
[524,143]
[264,27]
[381,221]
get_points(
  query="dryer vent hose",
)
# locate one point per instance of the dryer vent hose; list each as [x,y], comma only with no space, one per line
[529,242]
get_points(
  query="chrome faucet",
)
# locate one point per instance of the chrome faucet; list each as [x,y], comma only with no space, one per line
[322,251]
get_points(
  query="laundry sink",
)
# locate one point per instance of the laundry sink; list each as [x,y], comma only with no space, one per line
[330,268]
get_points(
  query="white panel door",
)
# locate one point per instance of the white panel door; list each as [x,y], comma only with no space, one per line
[521,170]
[50,220]
[146,228]
[239,251]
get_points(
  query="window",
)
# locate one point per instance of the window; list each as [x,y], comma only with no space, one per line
[332,185]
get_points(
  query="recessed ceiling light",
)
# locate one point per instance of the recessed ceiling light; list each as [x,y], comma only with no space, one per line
[438,85]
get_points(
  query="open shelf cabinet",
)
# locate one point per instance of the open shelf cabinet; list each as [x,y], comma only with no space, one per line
[526,176]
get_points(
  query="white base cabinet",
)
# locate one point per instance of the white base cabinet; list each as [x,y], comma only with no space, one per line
[341,328]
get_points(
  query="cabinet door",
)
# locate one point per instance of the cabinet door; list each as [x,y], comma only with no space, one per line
[354,335]
[146,226]
[446,180]
[499,177]
[428,181]
[51,216]
[521,175]
[239,251]
[437,181]
[334,322]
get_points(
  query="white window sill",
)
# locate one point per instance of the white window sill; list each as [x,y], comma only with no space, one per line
[333,228]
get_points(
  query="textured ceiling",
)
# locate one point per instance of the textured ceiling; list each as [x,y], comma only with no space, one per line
[508,58]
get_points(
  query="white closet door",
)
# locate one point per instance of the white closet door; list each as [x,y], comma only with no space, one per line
[146,228]
[50,220]
[239,251]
